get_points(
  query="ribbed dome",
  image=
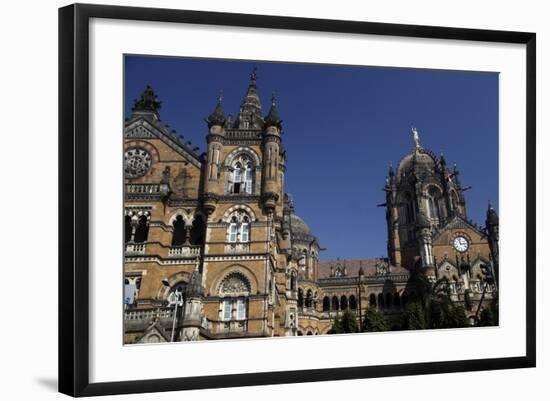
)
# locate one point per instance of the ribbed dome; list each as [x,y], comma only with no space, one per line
[418,158]
[298,226]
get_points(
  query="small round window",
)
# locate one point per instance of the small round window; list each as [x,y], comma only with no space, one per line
[137,162]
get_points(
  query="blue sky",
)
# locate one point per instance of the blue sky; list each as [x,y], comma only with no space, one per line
[342,127]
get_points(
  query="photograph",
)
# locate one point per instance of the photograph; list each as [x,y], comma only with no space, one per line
[282,199]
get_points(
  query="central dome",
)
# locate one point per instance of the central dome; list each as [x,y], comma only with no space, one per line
[419,159]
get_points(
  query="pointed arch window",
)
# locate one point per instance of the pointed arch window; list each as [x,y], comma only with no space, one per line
[433,203]
[178,237]
[245,230]
[248,178]
[242,176]
[234,291]
[239,227]
[233,229]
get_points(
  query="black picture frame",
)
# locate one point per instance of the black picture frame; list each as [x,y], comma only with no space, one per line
[74,198]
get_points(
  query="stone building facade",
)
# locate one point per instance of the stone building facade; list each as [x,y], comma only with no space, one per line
[214,249]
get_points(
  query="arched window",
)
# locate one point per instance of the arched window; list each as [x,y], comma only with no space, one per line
[335,303]
[239,227]
[234,291]
[309,299]
[326,304]
[245,229]
[352,302]
[127,228]
[309,333]
[433,203]
[248,178]
[293,281]
[197,231]
[242,176]
[142,230]
[454,200]
[237,178]
[372,300]
[300,298]
[408,208]
[178,237]
[343,302]
[233,229]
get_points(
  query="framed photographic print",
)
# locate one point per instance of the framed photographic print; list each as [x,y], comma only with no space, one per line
[249,199]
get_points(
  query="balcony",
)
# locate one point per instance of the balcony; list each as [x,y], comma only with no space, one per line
[152,191]
[184,251]
[237,248]
[135,249]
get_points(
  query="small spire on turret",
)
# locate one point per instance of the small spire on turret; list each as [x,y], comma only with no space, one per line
[272,118]
[217,117]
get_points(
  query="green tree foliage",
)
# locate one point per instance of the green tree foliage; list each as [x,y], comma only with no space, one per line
[445,314]
[413,317]
[374,321]
[336,326]
[349,322]
[345,323]
[489,315]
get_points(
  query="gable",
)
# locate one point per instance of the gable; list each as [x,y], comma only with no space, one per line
[458,223]
[152,335]
[141,128]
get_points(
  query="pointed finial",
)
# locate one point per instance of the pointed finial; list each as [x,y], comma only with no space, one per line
[416,137]
[254,76]
[220,97]
[273,99]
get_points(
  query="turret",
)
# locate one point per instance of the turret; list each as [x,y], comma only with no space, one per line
[492,223]
[424,237]
[216,122]
[192,320]
[271,185]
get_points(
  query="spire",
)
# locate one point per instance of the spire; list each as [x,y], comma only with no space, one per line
[148,103]
[272,118]
[217,117]
[416,138]
[250,113]
[492,216]
[391,172]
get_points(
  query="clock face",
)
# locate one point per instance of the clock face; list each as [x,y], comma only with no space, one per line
[137,162]
[460,244]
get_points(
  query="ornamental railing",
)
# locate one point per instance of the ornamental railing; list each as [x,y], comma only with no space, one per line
[135,249]
[146,314]
[184,251]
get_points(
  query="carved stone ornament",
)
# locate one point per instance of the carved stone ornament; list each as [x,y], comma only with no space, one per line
[234,285]
[137,162]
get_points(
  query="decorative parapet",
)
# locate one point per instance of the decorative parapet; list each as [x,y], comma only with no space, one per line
[148,191]
[184,251]
[135,249]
